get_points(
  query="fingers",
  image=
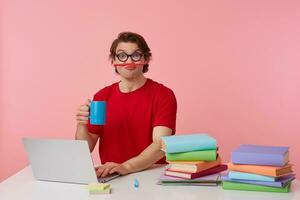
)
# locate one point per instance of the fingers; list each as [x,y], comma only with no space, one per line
[104,170]
[99,171]
[84,108]
[113,170]
[109,167]
[82,120]
[120,169]
[87,102]
[82,115]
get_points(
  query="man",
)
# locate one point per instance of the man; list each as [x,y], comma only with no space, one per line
[139,112]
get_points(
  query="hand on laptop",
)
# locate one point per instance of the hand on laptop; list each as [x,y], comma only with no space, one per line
[110,168]
[103,170]
[122,169]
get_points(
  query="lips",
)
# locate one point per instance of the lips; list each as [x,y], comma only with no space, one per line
[130,68]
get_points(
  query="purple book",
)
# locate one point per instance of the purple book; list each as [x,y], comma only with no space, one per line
[260,155]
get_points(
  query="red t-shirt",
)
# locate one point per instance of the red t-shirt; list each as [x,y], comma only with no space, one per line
[130,119]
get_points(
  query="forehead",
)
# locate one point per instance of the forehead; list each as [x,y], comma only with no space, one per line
[127,47]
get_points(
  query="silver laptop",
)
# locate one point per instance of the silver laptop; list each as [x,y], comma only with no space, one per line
[62,161]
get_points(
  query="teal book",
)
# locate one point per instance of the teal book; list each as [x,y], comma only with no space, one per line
[186,143]
[227,185]
[205,155]
[249,176]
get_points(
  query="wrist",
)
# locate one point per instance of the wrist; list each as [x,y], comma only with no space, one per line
[128,166]
[81,126]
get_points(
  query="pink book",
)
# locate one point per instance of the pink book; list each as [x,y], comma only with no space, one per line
[187,175]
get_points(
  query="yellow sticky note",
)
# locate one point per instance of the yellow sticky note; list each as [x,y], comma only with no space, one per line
[99,188]
[106,191]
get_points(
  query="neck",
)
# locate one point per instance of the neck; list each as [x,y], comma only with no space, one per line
[129,85]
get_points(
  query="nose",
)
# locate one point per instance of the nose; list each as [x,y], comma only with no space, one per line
[131,61]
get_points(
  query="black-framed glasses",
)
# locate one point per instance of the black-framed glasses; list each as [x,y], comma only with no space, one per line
[135,56]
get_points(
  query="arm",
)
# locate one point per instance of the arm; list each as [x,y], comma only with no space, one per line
[148,157]
[82,133]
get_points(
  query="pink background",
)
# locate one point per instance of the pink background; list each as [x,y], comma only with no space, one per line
[233,65]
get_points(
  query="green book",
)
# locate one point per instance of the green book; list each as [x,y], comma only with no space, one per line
[204,155]
[228,185]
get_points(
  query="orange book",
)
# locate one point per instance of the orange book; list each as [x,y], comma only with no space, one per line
[261,169]
[193,166]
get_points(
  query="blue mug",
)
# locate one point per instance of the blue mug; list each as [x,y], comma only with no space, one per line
[97,112]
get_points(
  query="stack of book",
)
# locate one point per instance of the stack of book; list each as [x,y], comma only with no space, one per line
[259,168]
[191,156]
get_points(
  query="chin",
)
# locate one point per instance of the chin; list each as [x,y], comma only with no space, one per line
[131,75]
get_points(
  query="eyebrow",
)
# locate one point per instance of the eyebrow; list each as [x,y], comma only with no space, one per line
[121,50]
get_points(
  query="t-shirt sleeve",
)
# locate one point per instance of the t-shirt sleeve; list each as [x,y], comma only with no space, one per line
[95,129]
[166,109]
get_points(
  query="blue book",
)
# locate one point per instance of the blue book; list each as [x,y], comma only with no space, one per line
[260,155]
[185,143]
[249,176]
[280,183]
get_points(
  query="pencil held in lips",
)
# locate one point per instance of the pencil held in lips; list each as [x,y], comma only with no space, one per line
[129,65]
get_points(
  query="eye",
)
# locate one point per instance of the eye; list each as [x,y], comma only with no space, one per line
[136,56]
[122,56]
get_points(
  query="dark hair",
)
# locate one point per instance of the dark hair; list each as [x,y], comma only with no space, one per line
[134,38]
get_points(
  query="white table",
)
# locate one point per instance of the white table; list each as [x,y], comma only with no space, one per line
[23,186]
